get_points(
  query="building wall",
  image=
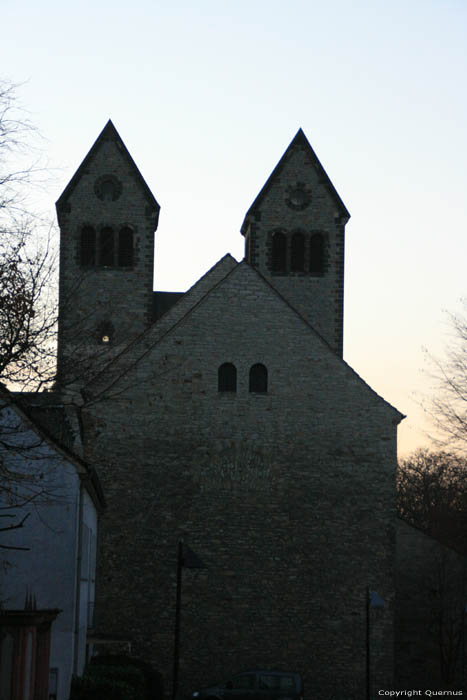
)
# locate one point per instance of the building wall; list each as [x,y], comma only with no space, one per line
[319,297]
[91,297]
[48,570]
[288,497]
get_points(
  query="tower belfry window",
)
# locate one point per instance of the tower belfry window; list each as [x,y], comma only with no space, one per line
[125,247]
[106,247]
[317,254]
[279,251]
[297,253]
[88,247]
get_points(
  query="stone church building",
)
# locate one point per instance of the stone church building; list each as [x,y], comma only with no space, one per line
[227,417]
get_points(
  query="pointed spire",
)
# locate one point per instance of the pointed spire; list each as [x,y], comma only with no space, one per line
[108,133]
[298,141]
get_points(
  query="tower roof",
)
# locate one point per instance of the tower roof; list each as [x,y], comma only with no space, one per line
[298,141]
[108,133]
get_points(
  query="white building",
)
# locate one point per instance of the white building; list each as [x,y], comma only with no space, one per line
[51,564]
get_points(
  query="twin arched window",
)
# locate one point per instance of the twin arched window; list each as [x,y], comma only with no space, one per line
[227,378]
[106,249]
[299,242]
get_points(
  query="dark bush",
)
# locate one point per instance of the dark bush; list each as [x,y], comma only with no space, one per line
[111,682]
[154,688]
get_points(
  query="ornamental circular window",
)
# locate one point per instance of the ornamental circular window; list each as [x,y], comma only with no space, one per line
[108,188]
[298,196]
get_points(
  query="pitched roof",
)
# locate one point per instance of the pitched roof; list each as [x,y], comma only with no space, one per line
[170,319]
[298,141]
[108,133]
[23,405]
[191,300]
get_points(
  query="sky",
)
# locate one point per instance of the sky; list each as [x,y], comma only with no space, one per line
[208,95]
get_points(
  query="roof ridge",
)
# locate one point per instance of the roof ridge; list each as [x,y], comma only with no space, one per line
[165,318]
[321,338]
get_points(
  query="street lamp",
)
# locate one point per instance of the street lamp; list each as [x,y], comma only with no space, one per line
[373,600]
[188,559]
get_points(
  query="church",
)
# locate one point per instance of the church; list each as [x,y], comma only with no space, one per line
[226,417]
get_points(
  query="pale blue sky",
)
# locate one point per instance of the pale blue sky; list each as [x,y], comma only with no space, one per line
[207,97]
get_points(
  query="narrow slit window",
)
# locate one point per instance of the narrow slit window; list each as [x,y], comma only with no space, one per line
[297,253]
[258,379]
[88,247]
[106,248]
[125,247]
[279,251]
[227,377]
[317,254]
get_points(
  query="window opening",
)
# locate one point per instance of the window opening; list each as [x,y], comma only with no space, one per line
[279,251]
[88,247]
[105,333]
[108,191]
[227,377]
[258,378]
[297,253]
[317,254]
[106,258]
[125,247]
[244,682]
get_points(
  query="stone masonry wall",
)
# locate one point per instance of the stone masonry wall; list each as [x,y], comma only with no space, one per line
[288,498]
[92,296]
[318,297]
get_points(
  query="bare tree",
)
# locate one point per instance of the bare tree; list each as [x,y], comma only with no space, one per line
[28,314]
[27,468]
[432,495]
[448,406]
[28,309]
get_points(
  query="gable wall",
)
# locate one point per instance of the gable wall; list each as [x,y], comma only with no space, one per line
[48,568]
[288,497]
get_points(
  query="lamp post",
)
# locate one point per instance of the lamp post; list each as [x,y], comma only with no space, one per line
[373,600]
[188,559]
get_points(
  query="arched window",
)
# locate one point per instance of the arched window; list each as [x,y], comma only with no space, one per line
[88,247]
[258,378]
[227,377]
[106,248]
[125,247]
[279,251]
[317,254]
[297,253]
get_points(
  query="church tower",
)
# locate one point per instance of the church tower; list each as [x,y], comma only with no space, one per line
[107,217]
[294,236]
